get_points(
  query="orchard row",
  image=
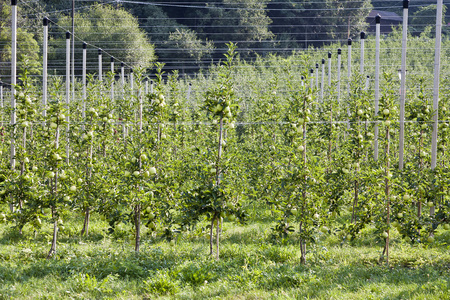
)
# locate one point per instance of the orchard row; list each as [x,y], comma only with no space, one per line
[169,159]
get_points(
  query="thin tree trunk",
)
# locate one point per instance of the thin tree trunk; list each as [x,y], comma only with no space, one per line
[355,202]
[54,191]
[419,202]
[85,229]
[217,237]
[388,202]
[211,237]
[302,248]
[55,235]
[137,220]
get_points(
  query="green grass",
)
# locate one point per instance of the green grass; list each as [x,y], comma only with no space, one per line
[100,267]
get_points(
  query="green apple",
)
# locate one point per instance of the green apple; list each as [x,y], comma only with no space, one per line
[80,180]
[430,204]
[400,215]
[136,173]
[430,239]
[446,226]
[385,235]
[152,170]
[127,173]
[73,188]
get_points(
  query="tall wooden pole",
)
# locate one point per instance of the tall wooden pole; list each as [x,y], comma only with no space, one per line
[67,93]
[401,144]
[437,69]
[44,66]
[339,74]
[83,79]
[377,81]
[361,61]
[329,69]
[13,79]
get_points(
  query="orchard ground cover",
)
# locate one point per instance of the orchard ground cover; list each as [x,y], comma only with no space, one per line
[251,266]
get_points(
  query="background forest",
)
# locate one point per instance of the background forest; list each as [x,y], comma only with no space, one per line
[189,36]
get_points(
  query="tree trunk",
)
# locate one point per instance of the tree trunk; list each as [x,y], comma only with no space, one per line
[137,224]
[55,235]
[355,202]
[217,237]
[302,248]
[85,229]
[211,237]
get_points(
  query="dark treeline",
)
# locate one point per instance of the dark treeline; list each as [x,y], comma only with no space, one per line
[189,36]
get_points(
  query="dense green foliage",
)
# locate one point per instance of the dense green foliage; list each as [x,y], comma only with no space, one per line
[282,168]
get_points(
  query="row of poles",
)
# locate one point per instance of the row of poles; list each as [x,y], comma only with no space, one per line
[45,76]
[377,78]
[362,38]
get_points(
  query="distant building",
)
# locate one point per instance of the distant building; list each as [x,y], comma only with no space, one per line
[388,19]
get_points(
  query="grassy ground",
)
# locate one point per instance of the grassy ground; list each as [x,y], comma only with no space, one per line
[100,267]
